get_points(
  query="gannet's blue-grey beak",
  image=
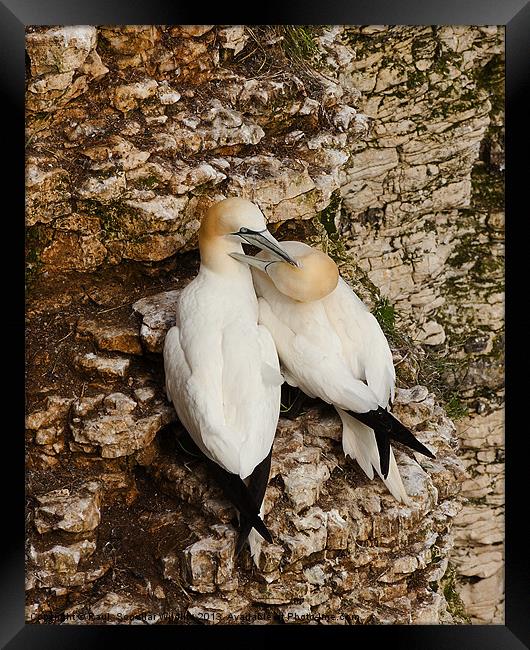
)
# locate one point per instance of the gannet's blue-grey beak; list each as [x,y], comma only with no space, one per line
[254,261]
[264,240]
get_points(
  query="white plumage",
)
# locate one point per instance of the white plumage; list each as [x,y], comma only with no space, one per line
[330,347]
[222,369]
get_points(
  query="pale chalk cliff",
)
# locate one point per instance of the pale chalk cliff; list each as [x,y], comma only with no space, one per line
[383,145]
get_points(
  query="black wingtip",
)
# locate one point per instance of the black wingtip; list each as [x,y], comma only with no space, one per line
[386,427]
[410,440]
[257,485]
[245,529]
[258,524]
[400,433]
[384,423]
[383,447]
[383,474]
[242,538]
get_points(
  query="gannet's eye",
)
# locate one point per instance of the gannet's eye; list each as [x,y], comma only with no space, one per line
[243,231]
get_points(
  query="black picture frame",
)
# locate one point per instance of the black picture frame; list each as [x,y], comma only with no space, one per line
[515,16]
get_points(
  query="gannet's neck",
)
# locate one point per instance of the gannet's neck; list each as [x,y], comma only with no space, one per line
[215,255]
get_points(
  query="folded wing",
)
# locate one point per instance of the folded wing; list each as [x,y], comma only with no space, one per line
[363,342]
[225,385]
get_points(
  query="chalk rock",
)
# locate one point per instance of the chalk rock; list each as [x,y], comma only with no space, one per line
[128,97]
[47,192]
[158,315]
[58,566]
[49,423]
[233,38]
[105,367]
[112,338]
[63,49]
[118,428]
[122,608]
[63,63]
[209,563]
[212,611]
[73,511]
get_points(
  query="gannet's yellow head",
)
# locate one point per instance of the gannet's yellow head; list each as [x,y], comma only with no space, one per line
[229,216]
[315,277]
[234,221]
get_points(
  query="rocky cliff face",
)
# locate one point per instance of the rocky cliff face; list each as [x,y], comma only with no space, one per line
[124,521]
[382,144]
[131,130]
[422,212]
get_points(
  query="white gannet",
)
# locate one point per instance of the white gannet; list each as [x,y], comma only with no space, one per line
[222,369]
[331,347]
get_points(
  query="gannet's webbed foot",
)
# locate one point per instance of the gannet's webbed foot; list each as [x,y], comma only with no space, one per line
[293,400]
[186,444]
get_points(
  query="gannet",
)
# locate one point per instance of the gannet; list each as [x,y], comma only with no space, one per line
[221,367]
[331,347]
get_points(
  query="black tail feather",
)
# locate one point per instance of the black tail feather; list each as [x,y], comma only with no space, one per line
[401,434]
[238,494]
[386,427]
[256,487]
[383,447]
